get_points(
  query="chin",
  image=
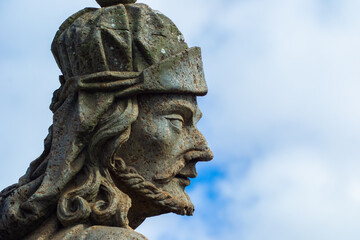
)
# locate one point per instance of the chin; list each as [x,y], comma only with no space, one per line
[177,190]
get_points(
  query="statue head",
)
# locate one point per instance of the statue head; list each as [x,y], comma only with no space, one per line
[124,142]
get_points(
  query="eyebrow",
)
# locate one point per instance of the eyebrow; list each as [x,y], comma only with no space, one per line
[190,110]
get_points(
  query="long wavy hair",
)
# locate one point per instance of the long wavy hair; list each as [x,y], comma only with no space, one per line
[92,196]
[89,195]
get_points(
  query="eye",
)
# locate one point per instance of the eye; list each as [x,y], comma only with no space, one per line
[176,120]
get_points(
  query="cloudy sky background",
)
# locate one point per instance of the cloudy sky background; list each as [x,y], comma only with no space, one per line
[282,114]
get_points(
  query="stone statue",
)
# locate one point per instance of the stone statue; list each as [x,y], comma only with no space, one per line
[124,141]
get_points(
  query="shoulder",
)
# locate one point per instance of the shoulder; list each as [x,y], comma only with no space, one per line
[81,232]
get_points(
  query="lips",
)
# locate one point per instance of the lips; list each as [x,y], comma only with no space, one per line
[189,171]
[183,179]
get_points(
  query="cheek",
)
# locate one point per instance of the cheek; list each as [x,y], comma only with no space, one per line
[160,136]
[153,147]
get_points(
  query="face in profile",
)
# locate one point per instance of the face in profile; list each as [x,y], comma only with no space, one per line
[165,144]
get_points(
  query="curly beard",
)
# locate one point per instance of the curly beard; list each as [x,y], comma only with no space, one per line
[133,184]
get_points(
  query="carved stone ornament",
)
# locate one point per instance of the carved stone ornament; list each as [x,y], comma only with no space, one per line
[124,141]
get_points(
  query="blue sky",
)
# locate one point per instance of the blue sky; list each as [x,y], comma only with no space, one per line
[281,116]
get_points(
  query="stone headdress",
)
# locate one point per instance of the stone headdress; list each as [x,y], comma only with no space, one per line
[115,52]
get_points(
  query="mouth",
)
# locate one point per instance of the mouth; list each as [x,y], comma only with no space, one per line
[184,168]
[184,180]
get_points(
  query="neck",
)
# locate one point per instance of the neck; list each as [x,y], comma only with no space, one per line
[142,209]
[135,218]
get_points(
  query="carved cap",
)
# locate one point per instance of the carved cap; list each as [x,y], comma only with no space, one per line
[129,49]
[107,3]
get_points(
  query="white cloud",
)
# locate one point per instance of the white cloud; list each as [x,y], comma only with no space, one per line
[297,194]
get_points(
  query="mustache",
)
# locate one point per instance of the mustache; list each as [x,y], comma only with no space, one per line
[168,175]
[192,155]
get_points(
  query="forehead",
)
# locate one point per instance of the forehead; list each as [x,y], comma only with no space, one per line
[168,102]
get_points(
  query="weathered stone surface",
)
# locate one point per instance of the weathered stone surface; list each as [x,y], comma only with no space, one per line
[124,143]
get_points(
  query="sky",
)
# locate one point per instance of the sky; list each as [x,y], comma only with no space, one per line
[281,116]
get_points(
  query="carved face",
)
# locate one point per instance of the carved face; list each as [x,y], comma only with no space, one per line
[165,144]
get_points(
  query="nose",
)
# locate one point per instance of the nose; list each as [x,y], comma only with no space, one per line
[200,146]
[208,155]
